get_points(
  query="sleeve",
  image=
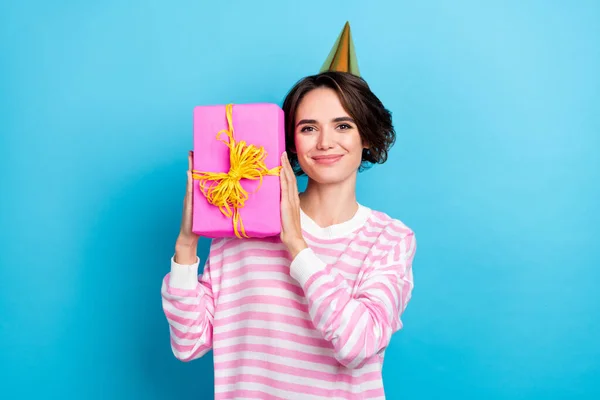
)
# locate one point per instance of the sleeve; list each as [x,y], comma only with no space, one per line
[359,323]
[188,304]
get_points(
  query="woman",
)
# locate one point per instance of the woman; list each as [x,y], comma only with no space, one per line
[309,314]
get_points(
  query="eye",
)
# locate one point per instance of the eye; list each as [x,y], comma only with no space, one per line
[344,126]
[307,129]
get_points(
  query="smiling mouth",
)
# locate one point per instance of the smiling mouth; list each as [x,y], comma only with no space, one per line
[327,160]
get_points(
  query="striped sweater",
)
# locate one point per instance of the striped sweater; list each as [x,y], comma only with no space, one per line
[315,327]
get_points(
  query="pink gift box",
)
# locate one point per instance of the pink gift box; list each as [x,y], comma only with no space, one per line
[258,124]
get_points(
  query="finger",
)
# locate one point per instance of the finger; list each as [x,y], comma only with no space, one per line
[287,168]
[289,175]
[283,173]
[190,153]
[292,177]
[283,179]
[290,181]
[189,183]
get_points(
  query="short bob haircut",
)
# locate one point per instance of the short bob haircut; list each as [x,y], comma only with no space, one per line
[373,120]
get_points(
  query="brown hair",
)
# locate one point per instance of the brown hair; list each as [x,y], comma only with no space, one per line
[373,120]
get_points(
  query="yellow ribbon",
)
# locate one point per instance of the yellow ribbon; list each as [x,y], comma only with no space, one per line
[225,190]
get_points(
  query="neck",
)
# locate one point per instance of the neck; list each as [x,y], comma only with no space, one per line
[329,204]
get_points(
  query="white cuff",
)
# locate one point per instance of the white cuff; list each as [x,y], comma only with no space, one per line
[305,265]
[184,276]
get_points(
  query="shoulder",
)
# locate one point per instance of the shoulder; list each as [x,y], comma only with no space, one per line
[388,225]
[392,233]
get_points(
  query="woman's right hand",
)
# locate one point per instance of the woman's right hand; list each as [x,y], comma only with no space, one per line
[187,241]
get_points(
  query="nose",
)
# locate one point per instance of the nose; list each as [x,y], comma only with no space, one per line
[325,140]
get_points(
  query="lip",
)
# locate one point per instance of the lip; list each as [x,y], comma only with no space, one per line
[328,159]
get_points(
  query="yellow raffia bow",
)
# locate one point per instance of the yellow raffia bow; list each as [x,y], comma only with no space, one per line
[225,190]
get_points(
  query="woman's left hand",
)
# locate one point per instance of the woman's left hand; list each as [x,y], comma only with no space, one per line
[291,229]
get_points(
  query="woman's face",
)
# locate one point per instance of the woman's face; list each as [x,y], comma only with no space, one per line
[328,144]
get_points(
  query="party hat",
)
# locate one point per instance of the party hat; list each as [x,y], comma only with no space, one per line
[342,56]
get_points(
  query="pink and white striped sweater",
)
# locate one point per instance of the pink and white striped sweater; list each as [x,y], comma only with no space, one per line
[315,327]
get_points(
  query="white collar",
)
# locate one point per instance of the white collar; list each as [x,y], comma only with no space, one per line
[336,230]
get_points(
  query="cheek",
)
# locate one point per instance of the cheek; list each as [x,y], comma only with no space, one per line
[302,144]
[353,144]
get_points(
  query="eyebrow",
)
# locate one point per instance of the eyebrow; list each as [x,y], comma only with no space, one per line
[314,121]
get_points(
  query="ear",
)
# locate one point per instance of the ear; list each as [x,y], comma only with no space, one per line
[365,144]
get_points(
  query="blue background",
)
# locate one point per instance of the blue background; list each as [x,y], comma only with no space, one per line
[496,168]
